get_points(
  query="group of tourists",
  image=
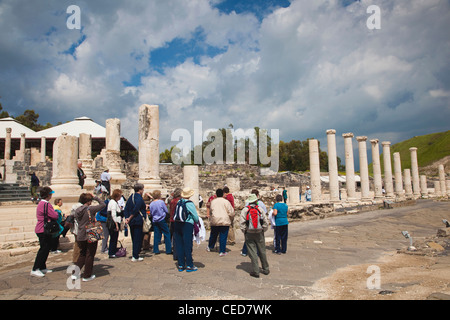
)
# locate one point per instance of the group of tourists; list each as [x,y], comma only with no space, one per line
[176,218]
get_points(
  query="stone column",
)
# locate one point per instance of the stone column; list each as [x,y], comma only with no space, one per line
[85,156]
[423,186]
[8,144]
[378,182]
[398,175]
[43,148]
[437,189]
[20,156]
[442,180]
[388,184]
[415,172]
[65,157]
[408,185]
[363,168]
[113,160]
[190,177]
[149,147]
[293,196]
[332,165]
[314,168]
[349,167]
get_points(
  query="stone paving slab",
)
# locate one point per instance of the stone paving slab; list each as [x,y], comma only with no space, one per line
[316,249]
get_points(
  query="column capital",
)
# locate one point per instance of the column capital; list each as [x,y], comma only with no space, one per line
[413,149]
[8,130]
[374,141]
[331,131]
[386,143]
[348,135]
[361,138]
[22,135]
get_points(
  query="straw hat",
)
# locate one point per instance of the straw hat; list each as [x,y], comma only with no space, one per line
[187,193]
[252,198]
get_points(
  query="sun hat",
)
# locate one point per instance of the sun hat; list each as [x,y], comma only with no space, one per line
[187,193]
[252,198]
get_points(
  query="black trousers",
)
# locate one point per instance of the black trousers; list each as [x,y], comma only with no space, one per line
[45,242]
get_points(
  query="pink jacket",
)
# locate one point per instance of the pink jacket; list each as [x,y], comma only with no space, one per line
[52,214]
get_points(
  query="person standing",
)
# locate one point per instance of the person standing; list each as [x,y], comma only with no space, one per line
[254,237]
[116,215]
[55,238]
[158,211]
[34,184]
[183,232]
[80,174]
[135,213]
[231,238]
[280,212]
[285,195]
[84,215]
[176,196]
[106,178]
[44,211]
[221,215]
[308,193]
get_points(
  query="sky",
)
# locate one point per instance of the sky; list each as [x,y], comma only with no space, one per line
[299,66]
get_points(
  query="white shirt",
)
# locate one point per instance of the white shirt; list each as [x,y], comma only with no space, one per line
[105,176]
[114,207]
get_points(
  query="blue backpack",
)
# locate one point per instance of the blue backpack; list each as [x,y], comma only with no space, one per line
[181,213]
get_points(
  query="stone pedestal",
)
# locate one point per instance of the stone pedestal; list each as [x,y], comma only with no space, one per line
[314,167]
[408,183]
[190,177]
[437,189]
[363,168]
[149,148]
[415,172]
[234,184]
[377,179]
[65,158]
[293,196]
[349,167]
[332,166]
[423,186]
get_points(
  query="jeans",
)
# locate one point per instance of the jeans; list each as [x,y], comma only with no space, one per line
[160,228]
[222,231]
[183,235]
[44,248]
[136,237]
[114,236]
[281,235]
[105,237]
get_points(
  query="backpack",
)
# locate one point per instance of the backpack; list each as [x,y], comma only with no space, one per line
[254,219]
[181,212]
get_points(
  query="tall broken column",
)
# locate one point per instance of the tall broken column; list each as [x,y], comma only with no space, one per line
[85,156]
[113,160]
[43,148]
[20,154]
[332,165]
[388,184]
[423,186]
[415,172]
[64,177]
[314,168]
[363,168]
[377,179]
[349,167]
[149,147]
[398,175]
[190,178]
[8,144]
[442,181]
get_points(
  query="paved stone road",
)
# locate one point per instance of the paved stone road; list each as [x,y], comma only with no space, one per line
[315,250]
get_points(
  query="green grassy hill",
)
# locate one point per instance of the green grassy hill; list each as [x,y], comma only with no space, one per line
[430,148]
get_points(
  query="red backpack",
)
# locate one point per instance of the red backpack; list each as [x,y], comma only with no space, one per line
[254,219]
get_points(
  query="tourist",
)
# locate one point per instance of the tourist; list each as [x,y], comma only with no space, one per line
[99,189]
[81,175]
[176,196]
[101,217]
[55,238]
[254,238]
[308,193]
[84,215]
[183,233]
[231,238]
[220,218]
[116,215]
[280,212]
[285,196]
[34,184]
[73,224]
[44,208]
[158,211]
[264,209]
[135,213]
[105,177]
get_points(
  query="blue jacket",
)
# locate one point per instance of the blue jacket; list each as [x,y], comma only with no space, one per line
[135,206]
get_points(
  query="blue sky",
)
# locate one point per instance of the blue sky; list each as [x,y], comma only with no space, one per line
[300,66]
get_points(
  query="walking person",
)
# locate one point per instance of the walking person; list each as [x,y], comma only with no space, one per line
[84,215]
[135,213]
[280,212]
[221,215]
[44,211]
[116,214]
[34,185]
[158,211]
[183,231]
[263,207]
[253,223]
